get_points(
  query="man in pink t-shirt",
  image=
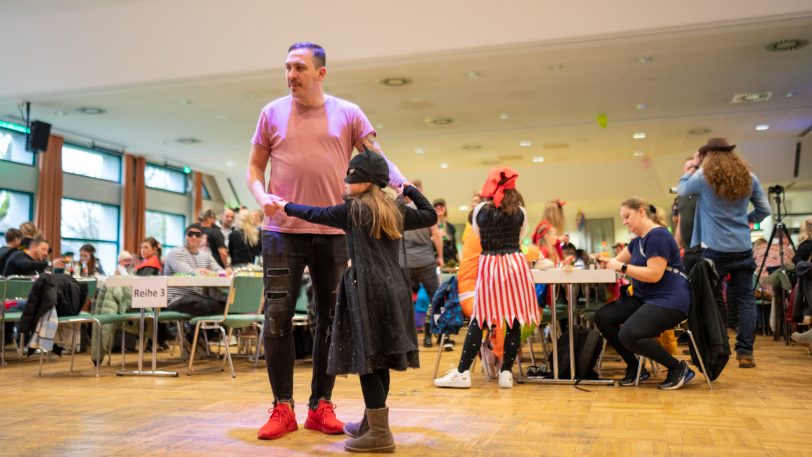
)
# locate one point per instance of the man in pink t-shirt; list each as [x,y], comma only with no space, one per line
[308,138]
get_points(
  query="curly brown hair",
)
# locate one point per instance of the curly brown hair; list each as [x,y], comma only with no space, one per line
[728,175]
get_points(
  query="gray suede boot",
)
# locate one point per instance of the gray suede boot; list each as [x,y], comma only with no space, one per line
[378,439]
[356,429]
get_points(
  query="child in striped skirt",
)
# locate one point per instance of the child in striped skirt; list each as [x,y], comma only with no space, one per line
[504,293]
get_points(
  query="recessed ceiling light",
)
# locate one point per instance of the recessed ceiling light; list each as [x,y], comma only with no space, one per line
[762,127]
[504,116]
[379,125]
[187,140]
[644,59]
[471,146]
[751,97]
[464,208]
[791,44]
[221,117]
[62,113]
[639,136]
[538,159]
[556,67]
[473,74]
[791,94]
[184,101]
[525,143]
[91,110]
[443,165]
[439,120]
[420,150]
[641,106]
[230,163]
[699,131]
[396,81]
[638,153]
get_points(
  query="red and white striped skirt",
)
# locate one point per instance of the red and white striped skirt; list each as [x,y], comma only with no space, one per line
[504,291]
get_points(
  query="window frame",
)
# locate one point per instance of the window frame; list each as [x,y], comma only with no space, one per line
[96,241]
[162,189]
[163,245]
[33,154]
[102,152]
[30,206]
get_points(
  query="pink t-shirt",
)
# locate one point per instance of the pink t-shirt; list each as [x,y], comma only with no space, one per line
[310,152]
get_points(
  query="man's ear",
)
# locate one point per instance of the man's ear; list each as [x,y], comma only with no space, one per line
[322,73]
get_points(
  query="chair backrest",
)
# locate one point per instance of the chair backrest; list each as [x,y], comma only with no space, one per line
[246,294]
[18,287]
[3,291]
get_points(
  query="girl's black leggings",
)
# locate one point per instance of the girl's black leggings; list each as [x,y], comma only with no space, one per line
[375,388]
[473,341]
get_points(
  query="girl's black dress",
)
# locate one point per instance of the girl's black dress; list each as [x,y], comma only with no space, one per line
[374,326]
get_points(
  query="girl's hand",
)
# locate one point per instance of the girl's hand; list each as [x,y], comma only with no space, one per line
[568,260]
[601,261]
[280,204]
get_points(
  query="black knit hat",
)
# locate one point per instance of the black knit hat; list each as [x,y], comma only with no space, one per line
[368,166]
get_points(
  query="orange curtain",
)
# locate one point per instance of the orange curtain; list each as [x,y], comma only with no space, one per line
[198,205]
[134,205]
[49,193]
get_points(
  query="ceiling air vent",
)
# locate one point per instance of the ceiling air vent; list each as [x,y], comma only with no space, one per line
[791,44]
[752,97]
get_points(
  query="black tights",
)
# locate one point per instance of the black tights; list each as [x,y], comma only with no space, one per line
[629,325]
[473,341]
[375,388]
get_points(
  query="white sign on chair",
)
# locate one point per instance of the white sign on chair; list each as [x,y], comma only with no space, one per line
[149,292]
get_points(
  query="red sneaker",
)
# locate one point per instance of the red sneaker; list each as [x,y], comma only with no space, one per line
[282,421]
[324,420]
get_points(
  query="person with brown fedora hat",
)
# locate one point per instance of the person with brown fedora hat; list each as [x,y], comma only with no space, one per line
[725,188]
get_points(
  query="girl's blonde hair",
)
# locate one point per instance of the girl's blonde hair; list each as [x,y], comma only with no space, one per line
[555,215]
[806,231]
[552,252]
[655,214]
[375,208]
[246,221]
[727,174]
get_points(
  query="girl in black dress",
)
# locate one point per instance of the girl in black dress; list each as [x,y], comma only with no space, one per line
[373,330]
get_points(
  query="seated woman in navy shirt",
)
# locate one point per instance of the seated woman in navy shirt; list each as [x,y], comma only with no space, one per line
[660,297]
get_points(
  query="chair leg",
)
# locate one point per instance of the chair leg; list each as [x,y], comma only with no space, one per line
[2,342]
[699,356]
[640,362]
[183,353]
[123,343]
[226,339]
[194,349]
[99,341]
[439,355]
[259,342]
[544,344]
[73,347]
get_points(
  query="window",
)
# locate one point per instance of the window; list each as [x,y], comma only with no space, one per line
[163,178]
[12,148]
[93,223]
[90,163]
[15,208]
[167,228]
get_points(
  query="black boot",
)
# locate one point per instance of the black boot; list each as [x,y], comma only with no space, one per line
[427,336]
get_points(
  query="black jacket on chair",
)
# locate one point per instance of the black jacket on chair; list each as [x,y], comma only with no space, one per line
[706,320]
[803,291]
[58,290]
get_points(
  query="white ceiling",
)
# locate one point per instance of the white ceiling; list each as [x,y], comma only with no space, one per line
[552,92]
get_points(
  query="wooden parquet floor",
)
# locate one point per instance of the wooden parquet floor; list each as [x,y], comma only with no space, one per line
[766,411]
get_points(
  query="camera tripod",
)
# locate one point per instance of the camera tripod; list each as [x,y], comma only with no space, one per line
[782,232]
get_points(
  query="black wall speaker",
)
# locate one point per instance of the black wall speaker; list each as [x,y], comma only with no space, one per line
[38,138]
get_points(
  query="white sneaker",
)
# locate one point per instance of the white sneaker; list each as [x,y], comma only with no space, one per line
[805,337]
[455,379]
[505,379]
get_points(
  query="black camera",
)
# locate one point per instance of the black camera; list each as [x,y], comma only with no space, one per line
[776,189]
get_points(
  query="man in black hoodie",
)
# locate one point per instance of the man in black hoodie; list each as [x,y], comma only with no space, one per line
[31,260]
